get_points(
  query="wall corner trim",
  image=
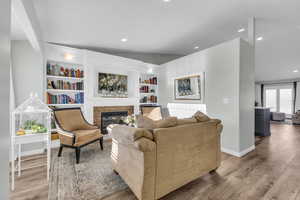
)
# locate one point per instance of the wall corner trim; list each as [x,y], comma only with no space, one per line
[238,154]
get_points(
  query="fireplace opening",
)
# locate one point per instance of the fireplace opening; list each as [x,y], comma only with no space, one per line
[108,118]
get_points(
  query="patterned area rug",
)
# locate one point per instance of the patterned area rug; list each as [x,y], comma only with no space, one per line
[91,179]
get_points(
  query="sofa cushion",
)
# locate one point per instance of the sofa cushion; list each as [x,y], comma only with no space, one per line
[186,121]
[145,122]
[201,117]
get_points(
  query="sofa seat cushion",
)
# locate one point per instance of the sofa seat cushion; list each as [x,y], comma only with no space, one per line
[85,136]
[201,117]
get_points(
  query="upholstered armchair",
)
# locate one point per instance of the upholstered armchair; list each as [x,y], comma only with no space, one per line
[74,131]
[151,111]
[296,118]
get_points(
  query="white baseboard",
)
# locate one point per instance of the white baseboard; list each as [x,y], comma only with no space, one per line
[238,154]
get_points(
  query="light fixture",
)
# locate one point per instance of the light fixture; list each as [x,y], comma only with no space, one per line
[68,56]
[124,40]
[167,1]
[296,70]
[259,38]
[241,30]
[196,47]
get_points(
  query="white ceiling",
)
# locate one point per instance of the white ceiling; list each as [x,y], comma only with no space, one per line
[153,26]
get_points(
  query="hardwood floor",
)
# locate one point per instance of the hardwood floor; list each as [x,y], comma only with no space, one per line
[272,171]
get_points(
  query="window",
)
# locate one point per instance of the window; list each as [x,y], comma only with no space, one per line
[271,99]
[279,98]
[286,100]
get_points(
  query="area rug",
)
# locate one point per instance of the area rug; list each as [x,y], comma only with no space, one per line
[91,179]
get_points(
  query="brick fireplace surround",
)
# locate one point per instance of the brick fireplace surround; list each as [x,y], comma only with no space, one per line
[99,109]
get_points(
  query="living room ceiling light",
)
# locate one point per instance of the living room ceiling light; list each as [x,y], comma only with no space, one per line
[124,40]
[196,47]
[68,56]
[259,38]
[241,30]
[167,1]
[296,70]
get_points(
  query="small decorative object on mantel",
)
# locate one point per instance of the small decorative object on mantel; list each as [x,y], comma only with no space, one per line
[188,88]
[112,85]
[130,120]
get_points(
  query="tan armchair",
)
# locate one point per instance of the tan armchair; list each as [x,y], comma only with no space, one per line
[74,131]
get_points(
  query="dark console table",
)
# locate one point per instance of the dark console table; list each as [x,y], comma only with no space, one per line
[262,121]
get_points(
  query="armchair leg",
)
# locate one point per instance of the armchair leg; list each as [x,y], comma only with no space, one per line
[101,143]
[77,152]
[60,150]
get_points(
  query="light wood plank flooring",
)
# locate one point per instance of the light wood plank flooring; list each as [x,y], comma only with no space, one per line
[272,171]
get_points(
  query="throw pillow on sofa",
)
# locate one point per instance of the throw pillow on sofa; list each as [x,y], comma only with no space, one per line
[201,117]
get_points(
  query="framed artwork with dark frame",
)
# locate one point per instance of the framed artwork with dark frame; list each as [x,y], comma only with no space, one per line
[188,88]
[112,85]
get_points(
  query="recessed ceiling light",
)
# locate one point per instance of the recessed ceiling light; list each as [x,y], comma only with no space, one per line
[241,30]
[259,38]
[196,47]
[167,1]
[296,70]
[68,56]
[124,40]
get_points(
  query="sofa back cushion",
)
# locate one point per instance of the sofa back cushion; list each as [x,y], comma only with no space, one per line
[145,122]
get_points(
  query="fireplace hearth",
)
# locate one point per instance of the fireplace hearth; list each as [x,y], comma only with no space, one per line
[108,118]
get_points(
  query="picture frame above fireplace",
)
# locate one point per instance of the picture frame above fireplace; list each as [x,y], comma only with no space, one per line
[112,85]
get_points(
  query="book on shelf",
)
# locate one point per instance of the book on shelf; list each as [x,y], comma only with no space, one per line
[60,70]
[64,85]
[149,99]
[65,99]
[151,80]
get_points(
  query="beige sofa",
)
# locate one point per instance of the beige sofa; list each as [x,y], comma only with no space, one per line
[155,163]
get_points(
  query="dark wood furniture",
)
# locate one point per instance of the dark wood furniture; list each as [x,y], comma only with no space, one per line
[262,121]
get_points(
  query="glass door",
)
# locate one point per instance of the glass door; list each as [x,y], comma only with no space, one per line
[271,99]
[286,101]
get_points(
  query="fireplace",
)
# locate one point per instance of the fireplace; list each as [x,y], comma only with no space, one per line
[108,118]
[105,115]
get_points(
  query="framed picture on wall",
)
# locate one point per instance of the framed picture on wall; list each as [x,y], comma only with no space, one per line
[112,85]
[188,88]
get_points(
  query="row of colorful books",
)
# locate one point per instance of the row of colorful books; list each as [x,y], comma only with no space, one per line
[64,85]
[58,70]
[65,99]
[149,99]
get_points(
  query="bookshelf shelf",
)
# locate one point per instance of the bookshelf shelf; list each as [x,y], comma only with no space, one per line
[148,92]
[69,104]
[65,78]
[63,91]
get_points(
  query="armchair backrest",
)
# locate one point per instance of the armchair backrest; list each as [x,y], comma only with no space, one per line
[70,119]
[152,112]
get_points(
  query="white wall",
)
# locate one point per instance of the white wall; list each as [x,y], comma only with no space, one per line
[222,65]
[5,8]
[27,67]
[95,62]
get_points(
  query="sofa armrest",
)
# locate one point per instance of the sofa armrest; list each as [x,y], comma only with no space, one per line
[139,138]
[133,156]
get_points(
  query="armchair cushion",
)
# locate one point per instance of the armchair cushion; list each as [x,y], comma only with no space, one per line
[85,136]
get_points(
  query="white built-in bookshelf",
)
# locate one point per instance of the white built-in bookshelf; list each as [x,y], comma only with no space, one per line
[64,84]
[148,89]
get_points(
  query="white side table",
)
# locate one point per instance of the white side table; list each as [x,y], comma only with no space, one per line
[17,141]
